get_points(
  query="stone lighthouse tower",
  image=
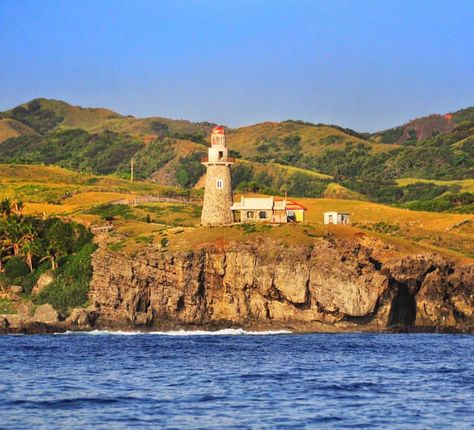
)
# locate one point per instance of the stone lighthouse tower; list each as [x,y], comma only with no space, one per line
[218,189]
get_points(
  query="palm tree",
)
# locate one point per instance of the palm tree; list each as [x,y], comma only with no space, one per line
[13,234]
[16,232]
[6,208]
[52,256]
[28,249]
[18,207]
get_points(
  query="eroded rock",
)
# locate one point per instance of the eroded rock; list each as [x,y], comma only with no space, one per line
[43,281]
[46,314]
[333,285]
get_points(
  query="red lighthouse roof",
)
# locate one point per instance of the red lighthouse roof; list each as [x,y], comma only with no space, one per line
[218,130]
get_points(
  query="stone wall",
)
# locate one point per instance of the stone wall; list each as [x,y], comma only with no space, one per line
[217,202]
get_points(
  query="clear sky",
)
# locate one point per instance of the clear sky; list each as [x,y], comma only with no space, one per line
[364,64]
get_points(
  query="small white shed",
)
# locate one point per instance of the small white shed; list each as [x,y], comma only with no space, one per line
[337,218]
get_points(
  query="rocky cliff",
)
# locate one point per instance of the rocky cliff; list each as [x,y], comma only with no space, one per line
[332,285]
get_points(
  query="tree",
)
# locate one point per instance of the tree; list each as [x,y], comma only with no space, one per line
[6,208]
[29,249]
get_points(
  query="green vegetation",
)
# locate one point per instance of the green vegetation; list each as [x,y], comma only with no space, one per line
[249,228]
[148,159]
[6,306]
[392,135]
[464,115]
[272,179]
[75,149]
[31,245]
[103,142]
[36,117]
[452,202]
[70,287]
[190,169]
[116,246]
[381,227]
[282,150]
[110,211]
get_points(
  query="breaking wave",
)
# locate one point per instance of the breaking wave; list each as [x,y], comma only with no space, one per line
[223,332]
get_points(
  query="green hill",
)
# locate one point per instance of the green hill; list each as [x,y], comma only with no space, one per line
[424,128]
[304,159]
[289,140]
[44,115]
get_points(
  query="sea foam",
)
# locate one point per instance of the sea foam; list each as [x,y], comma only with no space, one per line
[223,332]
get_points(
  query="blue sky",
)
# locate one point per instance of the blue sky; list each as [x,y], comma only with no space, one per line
[364,64]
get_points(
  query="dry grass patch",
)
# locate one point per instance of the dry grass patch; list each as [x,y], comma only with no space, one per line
[373,212]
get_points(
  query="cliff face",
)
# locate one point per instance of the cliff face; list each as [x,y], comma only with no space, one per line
[333,285]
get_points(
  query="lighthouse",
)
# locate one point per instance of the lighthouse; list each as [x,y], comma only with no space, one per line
[218,189]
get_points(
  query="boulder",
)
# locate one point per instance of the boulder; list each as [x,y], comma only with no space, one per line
[25,309]
[13,321]
[46,314]
[83,318]
[43,281]
[16,289]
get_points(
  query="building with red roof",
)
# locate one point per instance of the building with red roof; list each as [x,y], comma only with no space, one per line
[267,209]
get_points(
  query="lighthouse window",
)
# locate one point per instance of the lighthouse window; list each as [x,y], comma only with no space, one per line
[219,184]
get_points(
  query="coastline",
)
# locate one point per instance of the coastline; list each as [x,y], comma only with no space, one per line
[44,328]
[334,285]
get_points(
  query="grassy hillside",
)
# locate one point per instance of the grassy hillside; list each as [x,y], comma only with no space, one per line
[424,128]
[464,185]
[48,188]
[44,115]
[90,200]
[303,159]
[12,128]
[281,141]
[87,198]
[73,163]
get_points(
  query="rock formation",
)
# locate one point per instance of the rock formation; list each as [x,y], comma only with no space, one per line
[333,285]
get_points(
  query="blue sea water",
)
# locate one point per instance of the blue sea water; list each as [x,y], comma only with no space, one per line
[236,380]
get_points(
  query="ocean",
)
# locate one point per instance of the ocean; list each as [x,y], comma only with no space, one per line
[234,379]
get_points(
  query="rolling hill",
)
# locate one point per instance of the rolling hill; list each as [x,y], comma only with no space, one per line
[424,128]
[278,139]
[43,115]
[10,127]
[424,162]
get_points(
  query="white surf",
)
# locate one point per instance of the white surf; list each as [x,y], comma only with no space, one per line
[223,332]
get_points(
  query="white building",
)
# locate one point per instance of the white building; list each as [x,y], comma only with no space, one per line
[337,218]
[267,209]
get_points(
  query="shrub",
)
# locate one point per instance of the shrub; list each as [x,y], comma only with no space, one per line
[190,169]
[16,268]
[109,211]
[37,117]
[458,202]
[71,286]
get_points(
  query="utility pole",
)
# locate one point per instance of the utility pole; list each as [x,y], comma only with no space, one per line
[132,161]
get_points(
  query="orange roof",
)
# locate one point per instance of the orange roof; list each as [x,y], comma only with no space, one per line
[292,205]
